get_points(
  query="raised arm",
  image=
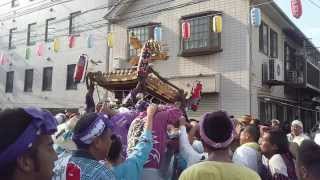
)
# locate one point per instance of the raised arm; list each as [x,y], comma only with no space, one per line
[186,150]
[132,167]
[151,110]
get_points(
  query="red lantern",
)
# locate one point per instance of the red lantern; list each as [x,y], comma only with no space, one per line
[80,69]
[296,8]
[186,30]
[72,41]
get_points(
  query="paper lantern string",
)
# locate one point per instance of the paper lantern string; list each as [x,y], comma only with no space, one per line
[40,49]
[72,41]
[255,17]
[157,34]
[110,40]
[296,8]
[186,30]
[217,24]
[4,59]
[56,45]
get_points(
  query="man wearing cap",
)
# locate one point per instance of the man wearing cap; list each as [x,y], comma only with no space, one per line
[297,135]
[26,151]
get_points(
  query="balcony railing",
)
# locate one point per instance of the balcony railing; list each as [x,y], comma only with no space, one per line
[313,76]
[295,70]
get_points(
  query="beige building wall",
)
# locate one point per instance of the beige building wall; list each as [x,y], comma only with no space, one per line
[232,63]
[258,58]
[39,11]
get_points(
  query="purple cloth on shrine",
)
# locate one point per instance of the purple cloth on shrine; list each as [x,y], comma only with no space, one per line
[121,123]
[166,115]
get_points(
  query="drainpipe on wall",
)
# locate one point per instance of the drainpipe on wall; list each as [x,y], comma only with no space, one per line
[250,59]
[108,49]
[107,66]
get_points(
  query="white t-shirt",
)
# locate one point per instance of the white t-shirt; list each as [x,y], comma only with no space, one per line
[247,156]
[297,139]
[317,138]
[187,151]
[276,165]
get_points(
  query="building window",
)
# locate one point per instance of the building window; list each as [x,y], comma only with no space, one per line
[12,33]
[280,112]
[264,38]
[70,80]
[202,39]
[32,34]
[14,3]
[295,65]
[28,80]
[143,33]
[74,23]
[47,79]
[273,44]
[9,82]
[265,111]
[49,32]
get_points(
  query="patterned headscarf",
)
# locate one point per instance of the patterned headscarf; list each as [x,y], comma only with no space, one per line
[210,142]
[42,123]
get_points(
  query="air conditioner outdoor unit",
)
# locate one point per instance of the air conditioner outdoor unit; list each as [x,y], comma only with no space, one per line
[273,72]
[276,71]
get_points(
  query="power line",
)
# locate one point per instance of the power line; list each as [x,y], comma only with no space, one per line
[13,14]
[4,4]
[98,8]
[70,10]
[165,9]
[136,16]
[48,5]
[92,25]
[314,3]
[96,27]
[67,18]
[261,4]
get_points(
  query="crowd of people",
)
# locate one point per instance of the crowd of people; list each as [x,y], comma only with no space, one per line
[151,142]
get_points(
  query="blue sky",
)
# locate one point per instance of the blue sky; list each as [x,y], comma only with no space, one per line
[309,22]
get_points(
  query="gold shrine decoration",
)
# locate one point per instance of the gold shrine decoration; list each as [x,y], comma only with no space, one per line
[127,79]
[162,56]
[135,42]
[156,49]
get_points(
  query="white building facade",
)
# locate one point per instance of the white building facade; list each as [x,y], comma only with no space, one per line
[43,77]
[262,71]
